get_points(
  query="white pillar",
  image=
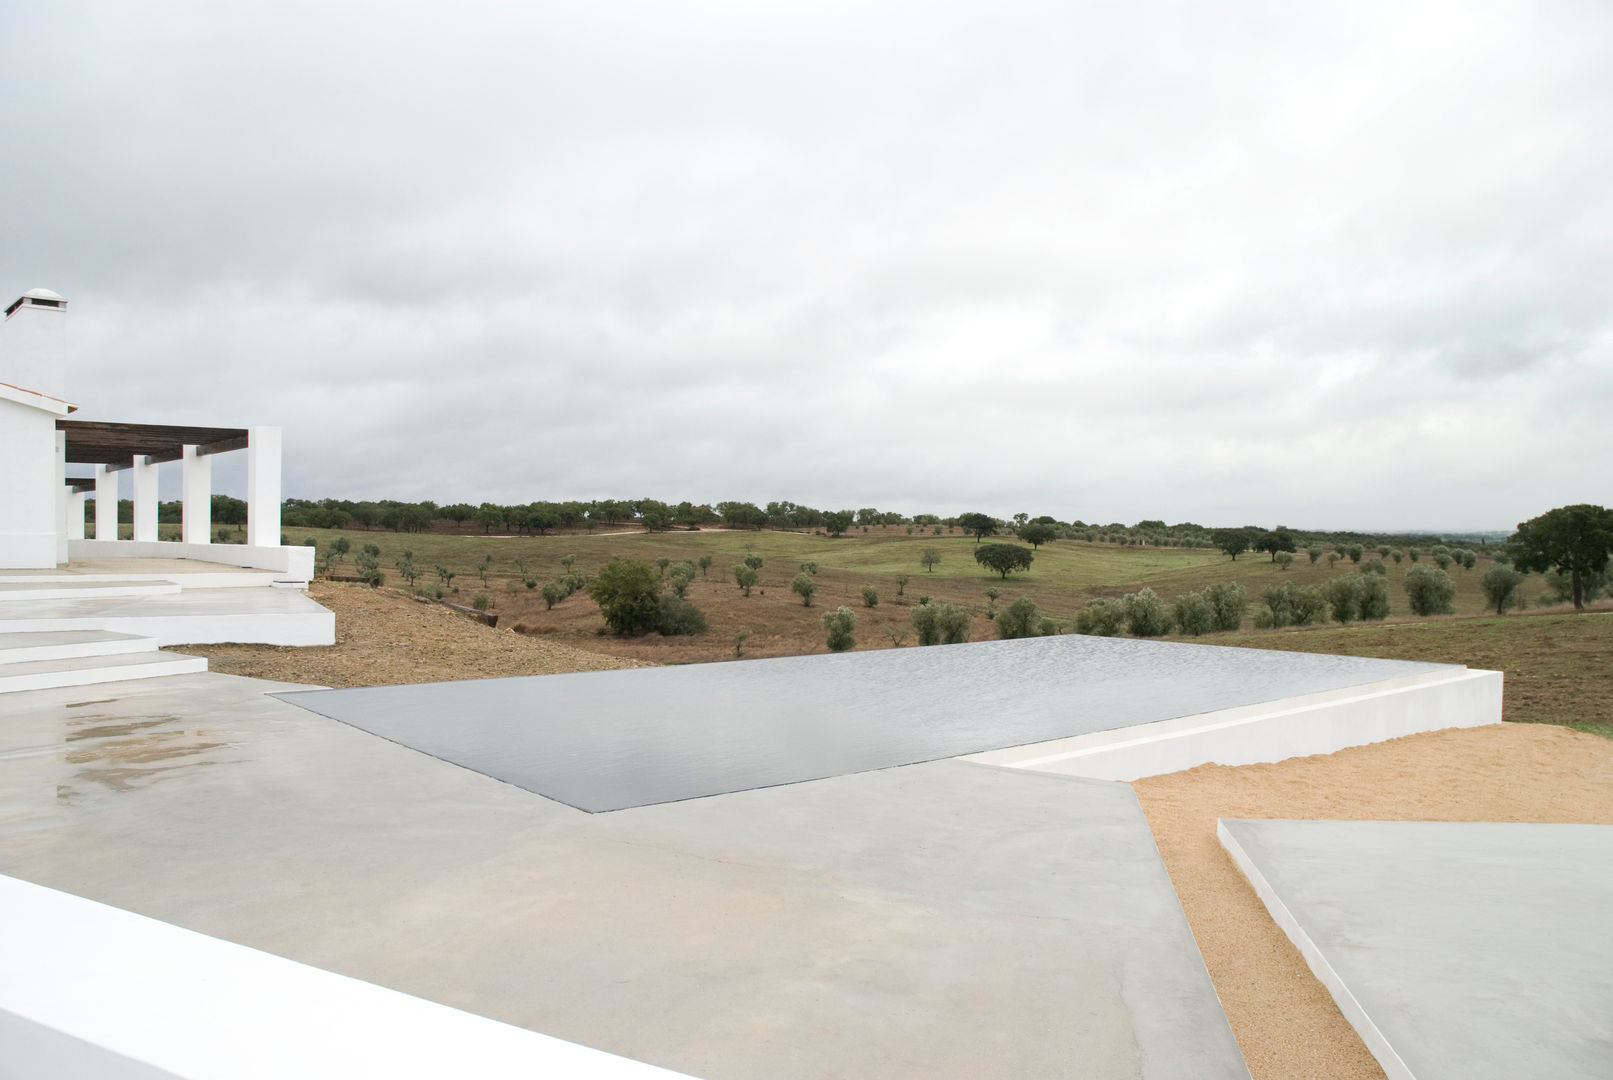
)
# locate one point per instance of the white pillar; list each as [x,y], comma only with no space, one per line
[75,514]
[196,497]
[106,504]
[145,497]
[263,487]
[62,500]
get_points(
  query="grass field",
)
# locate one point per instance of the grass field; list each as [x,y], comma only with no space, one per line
[1064,577]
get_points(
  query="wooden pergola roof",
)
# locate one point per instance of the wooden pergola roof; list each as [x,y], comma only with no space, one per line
[116,445]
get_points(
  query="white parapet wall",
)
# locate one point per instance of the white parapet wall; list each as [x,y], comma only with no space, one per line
[1318,723]
[296,563]
[92,991]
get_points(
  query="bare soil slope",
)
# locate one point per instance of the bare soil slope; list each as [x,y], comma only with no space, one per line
[383,638]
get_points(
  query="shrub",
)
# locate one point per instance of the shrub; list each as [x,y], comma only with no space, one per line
[1375,567]
[1226,599]
[481,601]
[553,593]
[870,596]
[1430,591]
[809,568]
[675,615]
[745,577]
[1500,585]
[1146,614]
[1373,602]
[953,622]
[309,541]
[1193,614]
[573,582]
[840,623]
[1283,559]
[1343,595]
[926,624]
[803,586]
[1101,618]
[1398,555]
[628,593]
[1019,620]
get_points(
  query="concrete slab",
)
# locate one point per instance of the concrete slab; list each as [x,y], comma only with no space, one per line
[193,616]
[944,920]
[1460,951]
[662,734]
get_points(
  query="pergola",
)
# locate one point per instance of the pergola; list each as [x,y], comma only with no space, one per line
[141,448]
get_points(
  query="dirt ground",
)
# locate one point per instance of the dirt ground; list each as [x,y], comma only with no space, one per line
[1283,1017]
[383,638]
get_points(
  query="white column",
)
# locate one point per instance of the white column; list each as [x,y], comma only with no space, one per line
[106,504]
[196,497]
[75,514]
[62,500]
[263,487]
[145,497]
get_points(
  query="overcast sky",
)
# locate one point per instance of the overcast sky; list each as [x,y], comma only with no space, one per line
[1329,265]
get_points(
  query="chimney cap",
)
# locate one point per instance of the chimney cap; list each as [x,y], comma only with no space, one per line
[42,294]
[37,298]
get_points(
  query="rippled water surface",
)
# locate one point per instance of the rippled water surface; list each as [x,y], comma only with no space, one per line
[608,740]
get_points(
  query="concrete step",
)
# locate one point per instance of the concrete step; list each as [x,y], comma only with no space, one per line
[88,670]
[82,590]
[69,644]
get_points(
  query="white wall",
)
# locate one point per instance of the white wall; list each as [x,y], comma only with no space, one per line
[28,490]
[33,348]
[92,991]
[297,563]
[1273,731]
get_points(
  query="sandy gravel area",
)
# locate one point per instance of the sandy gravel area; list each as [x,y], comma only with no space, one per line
[384,638]
[1284,1019]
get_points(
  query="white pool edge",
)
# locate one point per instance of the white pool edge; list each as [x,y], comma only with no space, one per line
[1299,726]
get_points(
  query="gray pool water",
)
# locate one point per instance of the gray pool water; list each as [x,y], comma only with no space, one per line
[608,740]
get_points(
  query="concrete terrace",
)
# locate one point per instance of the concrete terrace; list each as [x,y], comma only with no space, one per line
[937,920]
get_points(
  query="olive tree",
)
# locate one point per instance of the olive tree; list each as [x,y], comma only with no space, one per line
[803,586]
[1429,591]
[1226,600]
[870,596]
[929,559]
[1500,585]
[1146,614]
[1019,620]
[745,577]
[1103,617]
[1193,614]
[840,623]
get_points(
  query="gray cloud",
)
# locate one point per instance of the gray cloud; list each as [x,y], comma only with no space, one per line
[1242,262]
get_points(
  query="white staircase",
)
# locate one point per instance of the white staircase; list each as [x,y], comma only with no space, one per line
[45,660]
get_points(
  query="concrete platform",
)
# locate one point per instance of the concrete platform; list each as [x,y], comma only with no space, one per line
[941,920]
[185,573]
[191,616]
[1459,951]
[662,734]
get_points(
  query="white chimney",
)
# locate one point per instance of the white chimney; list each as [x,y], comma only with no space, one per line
[33,343]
